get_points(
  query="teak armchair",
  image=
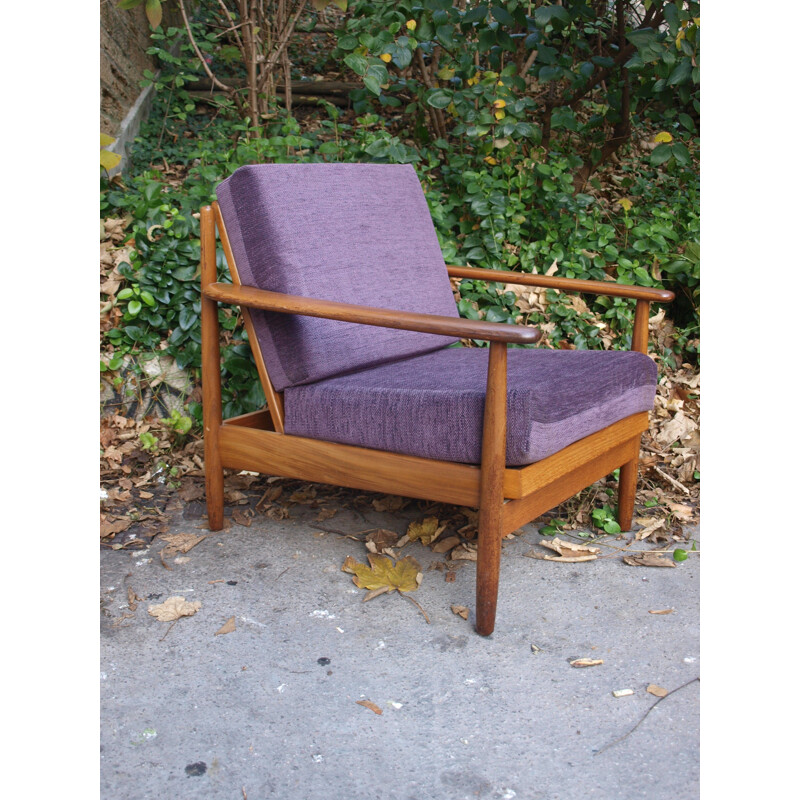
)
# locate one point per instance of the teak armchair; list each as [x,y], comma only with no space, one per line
[328,263]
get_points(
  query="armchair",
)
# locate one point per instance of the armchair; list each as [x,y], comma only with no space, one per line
[349,311]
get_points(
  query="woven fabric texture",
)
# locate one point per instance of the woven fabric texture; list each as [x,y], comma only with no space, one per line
[352,233]
[432,405]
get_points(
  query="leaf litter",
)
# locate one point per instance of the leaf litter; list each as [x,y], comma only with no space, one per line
[173,608]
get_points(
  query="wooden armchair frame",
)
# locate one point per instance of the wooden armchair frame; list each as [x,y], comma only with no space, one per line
[507,497]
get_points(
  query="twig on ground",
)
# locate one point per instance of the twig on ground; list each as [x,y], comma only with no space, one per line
[676,484]
[168,630]
[341,533]
[625,735]
[402,594]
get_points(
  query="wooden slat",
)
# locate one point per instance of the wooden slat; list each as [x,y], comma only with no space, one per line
[565,284]
[262,420]
[345,465]
[274,399]
[523,481]
[519,512]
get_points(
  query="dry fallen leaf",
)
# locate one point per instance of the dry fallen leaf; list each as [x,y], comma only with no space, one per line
[243,517]
[370,705]
[228,627]
[179,542]
[425,531]
[461,611]
[133,599]
[325,513]
[586,662]
[389,502]
[649,559]
[661,611]
[110,527]
[174,608]
[567,551]
[443,545]
[382,574]
[649,524]
[464,552]
[658,691]
[380,540]
[682,512]
[680,427]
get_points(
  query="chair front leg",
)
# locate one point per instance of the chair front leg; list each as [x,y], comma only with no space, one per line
[490,516]
[629,473]
[211,378]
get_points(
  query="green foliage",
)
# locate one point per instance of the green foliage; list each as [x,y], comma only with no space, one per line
[504,191]
[510,71]
[553,527]
[605,519]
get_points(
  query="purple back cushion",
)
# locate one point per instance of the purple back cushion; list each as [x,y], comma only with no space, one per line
[353,233]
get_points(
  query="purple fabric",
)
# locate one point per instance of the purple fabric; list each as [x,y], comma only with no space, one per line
[432,405]
[353,233]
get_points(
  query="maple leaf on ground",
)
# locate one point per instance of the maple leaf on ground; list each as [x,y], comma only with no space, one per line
[383,575]
[174,608]
[426,531]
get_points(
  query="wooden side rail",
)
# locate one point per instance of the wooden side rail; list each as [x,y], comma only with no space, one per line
[565,284]
[251,297]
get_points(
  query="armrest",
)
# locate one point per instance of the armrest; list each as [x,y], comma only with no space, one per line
[566,284]
[252,297]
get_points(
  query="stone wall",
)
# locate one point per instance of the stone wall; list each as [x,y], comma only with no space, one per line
[124,39]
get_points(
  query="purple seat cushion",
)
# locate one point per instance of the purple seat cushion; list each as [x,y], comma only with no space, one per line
[432,405]
[353,233]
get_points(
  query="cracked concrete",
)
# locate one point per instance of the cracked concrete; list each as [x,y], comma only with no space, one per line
[271,709]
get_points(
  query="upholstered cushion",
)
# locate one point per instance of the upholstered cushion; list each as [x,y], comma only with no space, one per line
[432,405]
[353,233]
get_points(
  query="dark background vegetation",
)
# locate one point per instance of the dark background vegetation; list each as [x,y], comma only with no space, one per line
[558,137]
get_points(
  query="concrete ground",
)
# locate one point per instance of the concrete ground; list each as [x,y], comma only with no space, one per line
[270,709]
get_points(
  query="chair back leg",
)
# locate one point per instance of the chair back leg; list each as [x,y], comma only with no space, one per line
[490,514]
[211,377]
[628,475]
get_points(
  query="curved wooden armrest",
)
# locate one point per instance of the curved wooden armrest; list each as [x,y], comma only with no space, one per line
[252,297]
[565,284]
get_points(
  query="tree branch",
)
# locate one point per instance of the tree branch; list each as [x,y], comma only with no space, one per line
[197,50]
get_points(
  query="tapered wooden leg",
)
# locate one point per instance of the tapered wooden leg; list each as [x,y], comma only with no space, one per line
[490,516]
[212,383]
[628,475]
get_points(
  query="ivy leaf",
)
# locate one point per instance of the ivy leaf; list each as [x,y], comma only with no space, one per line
[109,160]
[439,98]
[383,574]
[373,84]
[357,63]
[153,10]
[545,14]
[661,154]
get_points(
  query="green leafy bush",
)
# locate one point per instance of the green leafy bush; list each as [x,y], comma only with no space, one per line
[502,174]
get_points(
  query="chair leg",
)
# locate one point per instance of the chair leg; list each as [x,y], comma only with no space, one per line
[490,517]
[628,475]
[211,377]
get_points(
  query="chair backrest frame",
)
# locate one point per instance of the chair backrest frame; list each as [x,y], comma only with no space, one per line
[274,397]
